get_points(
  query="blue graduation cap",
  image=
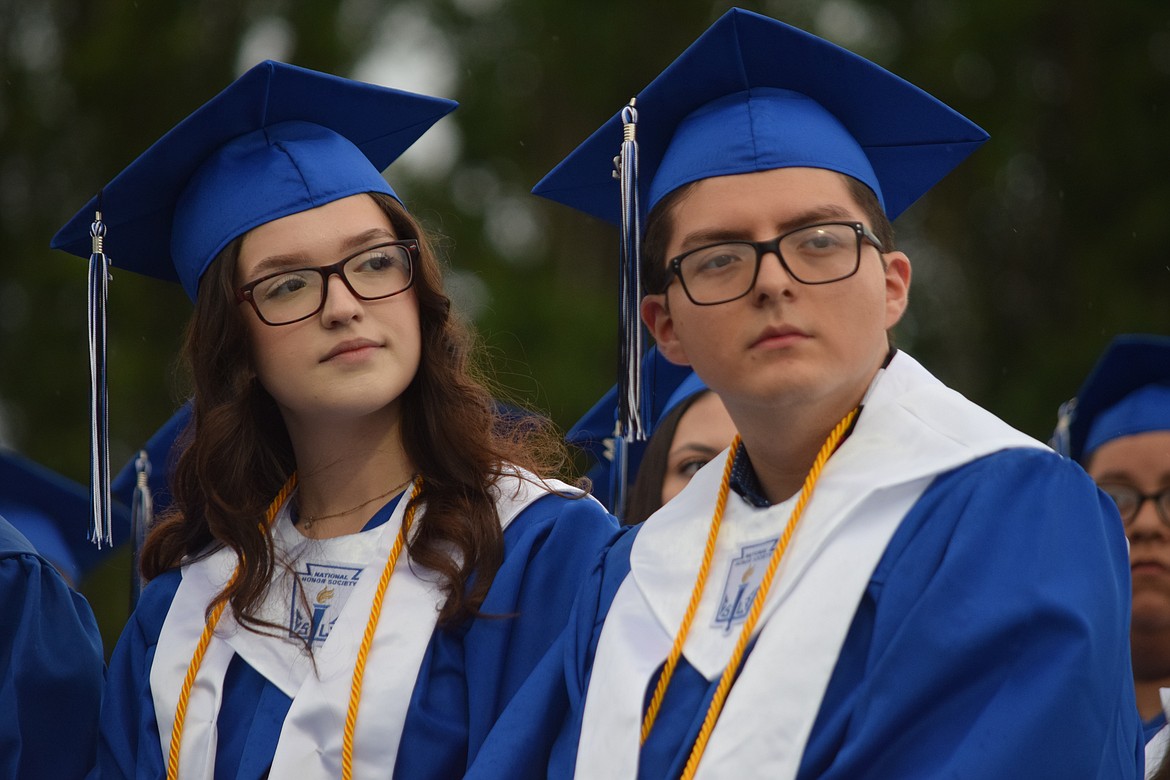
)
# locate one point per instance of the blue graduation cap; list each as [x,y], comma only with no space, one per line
[1126,393]
[753,94]
[278,141]
[666,385]
[52,512]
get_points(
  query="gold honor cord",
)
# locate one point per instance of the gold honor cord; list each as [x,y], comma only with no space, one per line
[363,651]
[733,665]
[205,639]
[359,668]
[696,596]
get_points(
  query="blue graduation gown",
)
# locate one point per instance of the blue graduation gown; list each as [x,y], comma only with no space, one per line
[991,641]
[51,664]
[467,676]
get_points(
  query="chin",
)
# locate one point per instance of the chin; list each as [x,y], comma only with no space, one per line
[1151,610]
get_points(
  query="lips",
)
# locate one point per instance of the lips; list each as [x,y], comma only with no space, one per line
[779,336]
[347,347]
[1148,566]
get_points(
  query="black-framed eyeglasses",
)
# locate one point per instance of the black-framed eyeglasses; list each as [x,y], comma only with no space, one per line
[375,272]
[814,254]
[1130,500]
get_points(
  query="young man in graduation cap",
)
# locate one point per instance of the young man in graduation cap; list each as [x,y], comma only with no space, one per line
[1118,428]
[51,658]
[928,592]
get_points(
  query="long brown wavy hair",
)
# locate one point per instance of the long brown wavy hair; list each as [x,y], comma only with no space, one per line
[239,455]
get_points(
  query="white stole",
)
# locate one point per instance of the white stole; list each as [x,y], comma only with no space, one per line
[912,429]
[1156,747]
[310,740]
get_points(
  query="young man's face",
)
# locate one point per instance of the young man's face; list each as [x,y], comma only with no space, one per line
[784,342]
[1141,463]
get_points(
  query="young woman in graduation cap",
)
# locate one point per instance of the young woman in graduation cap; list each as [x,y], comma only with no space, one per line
[361,564]
[881,580]
[1118,428]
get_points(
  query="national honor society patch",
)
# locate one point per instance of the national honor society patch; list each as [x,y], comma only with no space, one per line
[743,580]
[325,588]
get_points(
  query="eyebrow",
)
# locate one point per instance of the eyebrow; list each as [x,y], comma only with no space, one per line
[1123,477]
[694,447]
[716,235]
[299,260]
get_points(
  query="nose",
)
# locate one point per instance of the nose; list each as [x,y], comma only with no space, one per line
[1147,523]
[340,304]
[772,280]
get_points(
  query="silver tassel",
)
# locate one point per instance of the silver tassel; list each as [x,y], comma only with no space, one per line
[99,276]
[630,425]
[141,516]
[1061,440]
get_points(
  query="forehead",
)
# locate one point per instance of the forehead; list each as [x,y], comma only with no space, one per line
[316,234]
[705,420]
[774,199]
[1142,454]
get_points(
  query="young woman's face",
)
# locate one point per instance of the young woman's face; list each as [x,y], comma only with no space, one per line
[1142,463]
[704,430]
[353,358]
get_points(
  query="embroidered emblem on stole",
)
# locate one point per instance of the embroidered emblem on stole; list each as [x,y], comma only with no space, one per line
[323,588]
[743,580]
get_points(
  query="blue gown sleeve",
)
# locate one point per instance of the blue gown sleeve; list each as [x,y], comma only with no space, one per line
[52,671]
[128,745]
[538,732]
[471,673]
[993,638]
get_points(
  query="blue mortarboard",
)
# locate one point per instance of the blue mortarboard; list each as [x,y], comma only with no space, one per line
[52,512]
[1127,392]
[666,386]
[753,94]
[279,140]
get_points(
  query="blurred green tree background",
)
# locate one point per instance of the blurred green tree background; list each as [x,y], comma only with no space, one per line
[1048,241]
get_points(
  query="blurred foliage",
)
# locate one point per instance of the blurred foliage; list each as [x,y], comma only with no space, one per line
[1046,243]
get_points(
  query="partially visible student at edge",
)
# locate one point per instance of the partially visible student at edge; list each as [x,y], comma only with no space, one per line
[896,583]
[52,666]
[1118,428]
[363,559]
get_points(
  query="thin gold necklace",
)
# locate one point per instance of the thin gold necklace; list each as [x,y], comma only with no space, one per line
[307,522]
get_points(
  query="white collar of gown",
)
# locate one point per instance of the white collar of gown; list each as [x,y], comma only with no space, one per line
[310,739]
[1156,748]
[912,429]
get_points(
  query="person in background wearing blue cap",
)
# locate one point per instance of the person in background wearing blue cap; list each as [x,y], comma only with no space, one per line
[881,580]
[1118,428]
[51,662]
[693,429]
[361,564]
[680,440]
